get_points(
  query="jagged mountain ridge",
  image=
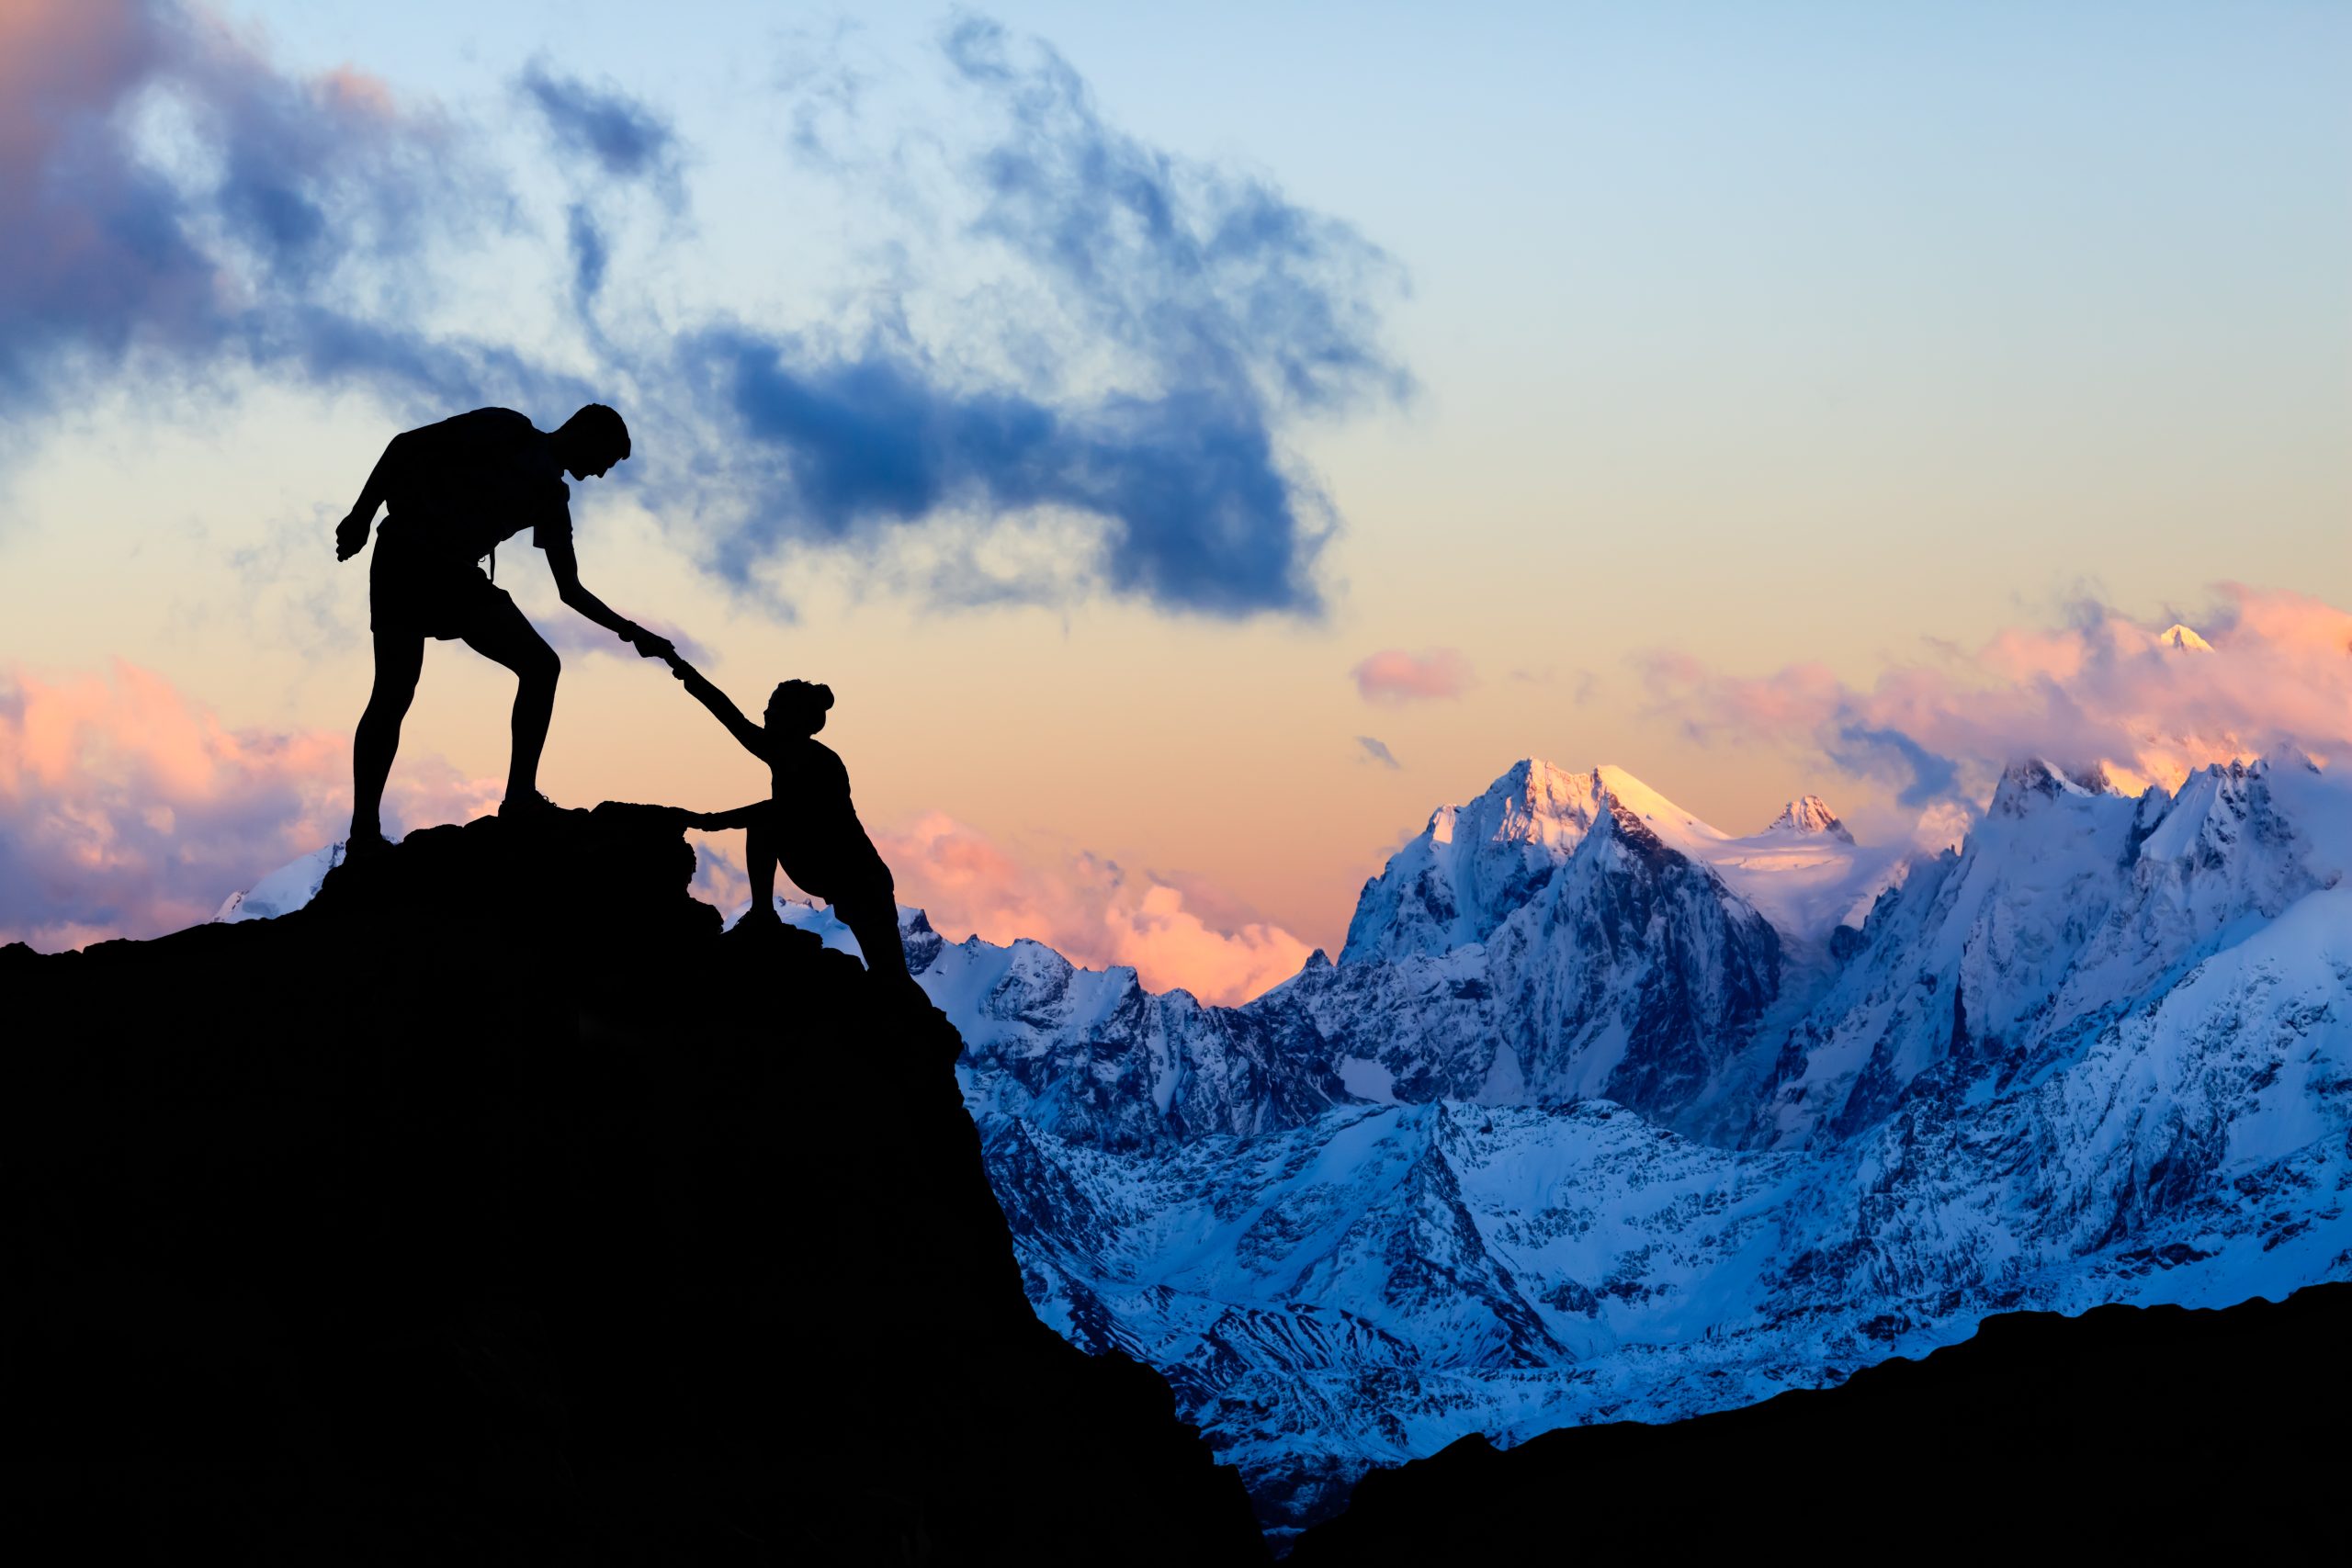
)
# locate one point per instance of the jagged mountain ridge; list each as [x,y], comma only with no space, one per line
[2098,1053]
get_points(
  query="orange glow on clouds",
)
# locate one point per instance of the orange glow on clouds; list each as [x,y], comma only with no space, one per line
[128,809]
[2103,691]
[1393,675]
[1085,907]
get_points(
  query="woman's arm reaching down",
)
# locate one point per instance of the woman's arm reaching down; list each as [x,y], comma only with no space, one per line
[754,738]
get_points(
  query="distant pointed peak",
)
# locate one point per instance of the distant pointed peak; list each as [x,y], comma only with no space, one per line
[2100,779]
[2034,779]
[1532,800]
[1808,815]
[2182,639]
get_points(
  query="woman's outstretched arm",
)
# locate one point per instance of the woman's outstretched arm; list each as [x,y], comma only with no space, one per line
[753,738]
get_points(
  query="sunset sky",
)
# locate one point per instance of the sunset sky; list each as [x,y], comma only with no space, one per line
[1194,442]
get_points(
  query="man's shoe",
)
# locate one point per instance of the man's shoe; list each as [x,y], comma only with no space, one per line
[364,846]
[531,805]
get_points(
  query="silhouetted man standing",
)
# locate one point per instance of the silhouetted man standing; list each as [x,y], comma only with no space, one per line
[456,490]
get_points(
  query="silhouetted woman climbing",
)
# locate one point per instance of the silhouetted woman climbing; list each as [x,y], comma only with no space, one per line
[807,823]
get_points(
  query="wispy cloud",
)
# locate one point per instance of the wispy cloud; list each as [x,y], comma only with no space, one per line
[2100,689]
[127,809]
[616,141]
[1178,319]
[624,137]
[571,635]
[168,196]
[1376,751]
[1393,675]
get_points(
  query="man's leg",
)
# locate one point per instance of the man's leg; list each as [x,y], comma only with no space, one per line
[502,633]
[400,659]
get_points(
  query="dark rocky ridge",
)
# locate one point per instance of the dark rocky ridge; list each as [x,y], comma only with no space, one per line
[496,1207]
[2157,1433]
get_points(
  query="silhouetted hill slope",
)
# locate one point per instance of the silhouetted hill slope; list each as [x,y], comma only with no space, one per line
[2159,1430]
[496,1207]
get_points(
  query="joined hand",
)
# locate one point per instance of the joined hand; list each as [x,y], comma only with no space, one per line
[649,645]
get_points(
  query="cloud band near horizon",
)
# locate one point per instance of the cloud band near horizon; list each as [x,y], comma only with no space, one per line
[2101,690]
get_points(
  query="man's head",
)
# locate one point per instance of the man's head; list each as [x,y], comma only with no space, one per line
[592,441]
[797,708]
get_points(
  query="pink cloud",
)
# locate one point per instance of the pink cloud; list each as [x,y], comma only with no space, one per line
[2102,691]
[1393,675]
[128,809]
[1173,930]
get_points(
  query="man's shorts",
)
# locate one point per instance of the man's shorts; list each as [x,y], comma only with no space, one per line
[416,589]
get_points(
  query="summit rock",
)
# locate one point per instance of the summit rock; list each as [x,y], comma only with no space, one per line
[492,1206]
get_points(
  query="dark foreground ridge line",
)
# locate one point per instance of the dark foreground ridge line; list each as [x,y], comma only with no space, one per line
[496,1207]
[2157,1433]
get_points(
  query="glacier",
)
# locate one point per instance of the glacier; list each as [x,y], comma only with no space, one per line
[1603,1114]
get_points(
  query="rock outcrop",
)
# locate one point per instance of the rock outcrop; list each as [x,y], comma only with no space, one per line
[495,1206]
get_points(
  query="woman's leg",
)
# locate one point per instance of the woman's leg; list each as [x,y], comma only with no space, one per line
[758,852]
[875,922]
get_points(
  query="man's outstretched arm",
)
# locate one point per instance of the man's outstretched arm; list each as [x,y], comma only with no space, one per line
[565,564]
[722,707]
[351,534]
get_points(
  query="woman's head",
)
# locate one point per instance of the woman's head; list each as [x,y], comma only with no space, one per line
[799,708]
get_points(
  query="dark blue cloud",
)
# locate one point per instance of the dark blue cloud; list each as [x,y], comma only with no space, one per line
[1226,312]
[1920,774]
[622,136]
[1211,278]
[590,254]
[620,141]
[1195,515]
[1173,322]
[319,193]
[1377,751]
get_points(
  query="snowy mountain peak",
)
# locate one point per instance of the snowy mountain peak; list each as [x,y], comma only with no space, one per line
[2182,639]
[282,891]
[2026,786]
[1475,863]
[1454,883]
[1534,802]
[1807,814]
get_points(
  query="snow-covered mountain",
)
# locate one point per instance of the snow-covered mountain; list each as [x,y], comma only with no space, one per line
[1604,1113]
[289,888]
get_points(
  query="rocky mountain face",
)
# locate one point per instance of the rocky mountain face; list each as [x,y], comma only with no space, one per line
[486,1209]
[1604,1114]
[2239,1405]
